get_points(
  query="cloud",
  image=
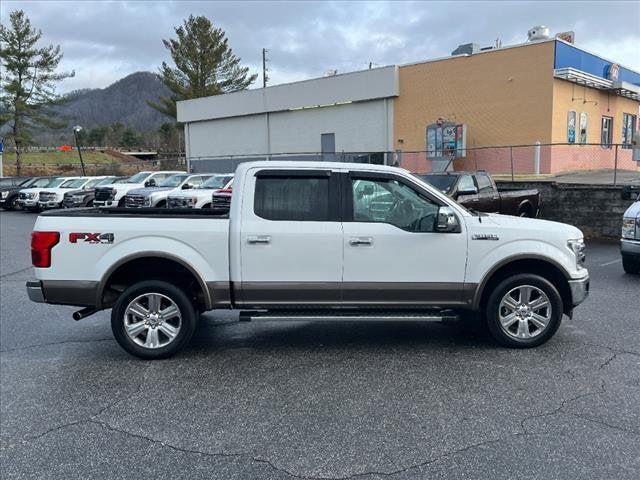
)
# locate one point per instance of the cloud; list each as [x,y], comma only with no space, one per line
[104,41]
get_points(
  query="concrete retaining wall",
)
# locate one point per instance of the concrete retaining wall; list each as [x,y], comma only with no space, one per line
[595,209]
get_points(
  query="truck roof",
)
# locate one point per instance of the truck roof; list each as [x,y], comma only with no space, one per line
[318,165]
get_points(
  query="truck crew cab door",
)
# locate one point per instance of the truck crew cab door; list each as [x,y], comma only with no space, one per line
[487,194]
[291,238]
[392,253]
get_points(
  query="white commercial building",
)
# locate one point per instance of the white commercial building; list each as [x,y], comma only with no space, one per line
[321,117]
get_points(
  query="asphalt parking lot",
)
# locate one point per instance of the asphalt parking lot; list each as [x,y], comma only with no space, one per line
[319,401]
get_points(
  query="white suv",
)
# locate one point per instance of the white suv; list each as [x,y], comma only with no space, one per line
[53,197]
[113,195]
[28,198]
[157,196]
[199,197]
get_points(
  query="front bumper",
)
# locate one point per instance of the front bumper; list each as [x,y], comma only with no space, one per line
[579,290]
[35,292]
[105,203]
[51,204]
[29,203]
[630,247]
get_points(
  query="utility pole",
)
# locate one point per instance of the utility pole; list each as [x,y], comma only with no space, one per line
[264,68]
[76,129]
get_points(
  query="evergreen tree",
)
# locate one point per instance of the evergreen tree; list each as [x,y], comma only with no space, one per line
[27,86]
[205,65]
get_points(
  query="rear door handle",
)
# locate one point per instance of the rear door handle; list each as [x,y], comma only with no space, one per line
[259,239]
[360,241]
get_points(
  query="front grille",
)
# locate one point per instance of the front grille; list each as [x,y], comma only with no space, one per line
[47,197]
[221,203]
[104,194]
[178,203]
[134,201]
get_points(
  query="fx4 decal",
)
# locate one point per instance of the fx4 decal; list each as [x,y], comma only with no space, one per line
[91,237]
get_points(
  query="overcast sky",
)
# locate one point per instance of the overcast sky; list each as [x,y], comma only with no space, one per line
[104,41]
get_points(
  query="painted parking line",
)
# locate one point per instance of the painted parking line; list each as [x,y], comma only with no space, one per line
[611,262]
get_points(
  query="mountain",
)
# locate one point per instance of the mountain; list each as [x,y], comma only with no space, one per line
[125,101]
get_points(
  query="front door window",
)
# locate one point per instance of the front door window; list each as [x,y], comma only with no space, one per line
[393,202]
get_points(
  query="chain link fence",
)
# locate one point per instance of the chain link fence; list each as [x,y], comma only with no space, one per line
[590,163]
[606,164]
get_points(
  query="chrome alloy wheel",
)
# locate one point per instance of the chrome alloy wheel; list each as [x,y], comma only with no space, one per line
[525,312]
[152,320]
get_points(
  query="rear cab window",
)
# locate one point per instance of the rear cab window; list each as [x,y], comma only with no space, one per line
[286,197]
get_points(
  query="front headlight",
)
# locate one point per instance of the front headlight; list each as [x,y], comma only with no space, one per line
[629,228]
[192,200]
[577,246]
[77,198]
[4,194]
[146,202]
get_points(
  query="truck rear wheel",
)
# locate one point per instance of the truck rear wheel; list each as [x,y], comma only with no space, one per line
[153,319]
[524,311]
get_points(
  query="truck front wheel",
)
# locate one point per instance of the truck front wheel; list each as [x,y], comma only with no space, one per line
[153,319]
[630,264]
[524,311]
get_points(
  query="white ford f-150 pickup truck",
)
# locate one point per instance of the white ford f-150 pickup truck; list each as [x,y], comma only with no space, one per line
[310,241]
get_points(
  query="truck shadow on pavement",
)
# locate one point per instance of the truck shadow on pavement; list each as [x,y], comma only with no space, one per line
[212,335]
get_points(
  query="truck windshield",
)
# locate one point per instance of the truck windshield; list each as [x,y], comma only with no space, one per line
[74,183]
[138,177]
[53,183]
[217,181]
[444,183]
[105,181]
[174,180]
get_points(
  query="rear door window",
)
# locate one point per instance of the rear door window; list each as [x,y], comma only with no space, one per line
[292,198]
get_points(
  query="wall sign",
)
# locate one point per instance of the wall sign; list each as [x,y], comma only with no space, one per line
[571,127]
[583,128]
[446,139]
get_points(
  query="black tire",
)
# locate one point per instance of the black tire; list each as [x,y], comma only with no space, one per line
[89,203]
[121,203]
[168,290]
[162,204]
[11,203]
[206,205]
[526,211]
[493,307]
[630,265]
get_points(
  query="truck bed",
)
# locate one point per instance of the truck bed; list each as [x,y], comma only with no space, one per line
[136,212]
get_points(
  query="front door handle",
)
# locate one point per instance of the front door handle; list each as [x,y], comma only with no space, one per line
[360,241]
[259,239]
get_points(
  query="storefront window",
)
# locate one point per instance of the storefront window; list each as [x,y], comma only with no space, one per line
[628,127]
[606,134]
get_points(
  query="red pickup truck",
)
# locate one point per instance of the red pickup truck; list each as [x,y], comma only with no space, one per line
[478,191]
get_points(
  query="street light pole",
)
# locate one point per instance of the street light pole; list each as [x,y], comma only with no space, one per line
[76,129]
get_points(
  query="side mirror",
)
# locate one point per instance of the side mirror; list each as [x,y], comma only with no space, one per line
[150,183]
[468,191]
[187,186]
[447,221]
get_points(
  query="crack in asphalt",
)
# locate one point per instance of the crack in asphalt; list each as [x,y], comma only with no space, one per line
[560,408]
[92,418]
[257,459]
[5,275]
[40,345]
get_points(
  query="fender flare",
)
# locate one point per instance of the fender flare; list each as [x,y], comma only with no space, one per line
[152,254]
[506,261]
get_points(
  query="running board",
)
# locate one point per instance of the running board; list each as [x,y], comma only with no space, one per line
[348,316]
